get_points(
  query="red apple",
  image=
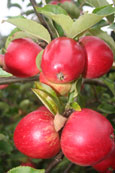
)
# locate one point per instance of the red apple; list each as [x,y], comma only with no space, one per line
[30,164]
[99,57]
[87,137]
[3,86]
[108,171]
[35,135]
[20,58]
[63,60]
[107,163]
[61,89]
[55,2]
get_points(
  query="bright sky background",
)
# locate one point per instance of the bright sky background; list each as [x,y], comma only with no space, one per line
[5,28]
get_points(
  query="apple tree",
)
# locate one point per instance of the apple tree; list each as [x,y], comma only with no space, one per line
[57,87]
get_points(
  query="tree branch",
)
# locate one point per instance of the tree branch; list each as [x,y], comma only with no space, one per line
[42,19]
[56,160]
[68,168]
[94,82]
[13,79]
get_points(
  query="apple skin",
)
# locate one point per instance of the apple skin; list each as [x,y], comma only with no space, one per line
[63,60]
[20,58]
[3,86]
[107,163]
[35,135]
[86,137]
[99,57]
[30,164]
[61,89]
[55,2]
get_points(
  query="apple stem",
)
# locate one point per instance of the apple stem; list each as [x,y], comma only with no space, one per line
[68,112]
[55,161]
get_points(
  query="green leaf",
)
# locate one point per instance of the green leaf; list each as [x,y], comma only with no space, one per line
[5,147]
[75,90]
[104,36]
[100,24]
[4,73]
[104,11]
[60,18]
[26,169]
[15,5]
[19,34]
[59,29]
[110,85]
[106,108]
[31,27]
[110,18]
[97,3]
[28,12]
[9,5]
[54,9]
[3,137]
[46,100]
[51,93]
[38,60]
[112,26]
[82,24]
[75,106]
[71,9]
[9,38]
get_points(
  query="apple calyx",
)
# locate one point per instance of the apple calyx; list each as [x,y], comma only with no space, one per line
[59,121]
[60,76]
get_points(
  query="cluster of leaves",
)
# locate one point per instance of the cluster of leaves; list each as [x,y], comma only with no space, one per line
[17,100]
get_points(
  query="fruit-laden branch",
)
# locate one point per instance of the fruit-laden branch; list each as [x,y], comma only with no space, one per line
[13,79]
[42,19]
[55,161]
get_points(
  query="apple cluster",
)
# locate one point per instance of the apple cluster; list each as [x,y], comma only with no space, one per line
[87,139]
[63,60]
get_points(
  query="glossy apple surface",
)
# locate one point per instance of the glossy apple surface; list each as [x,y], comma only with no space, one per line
[35,135]
[20,58]
[99,57]
[61,89]
[107,163]
[87,137]
[63,60]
